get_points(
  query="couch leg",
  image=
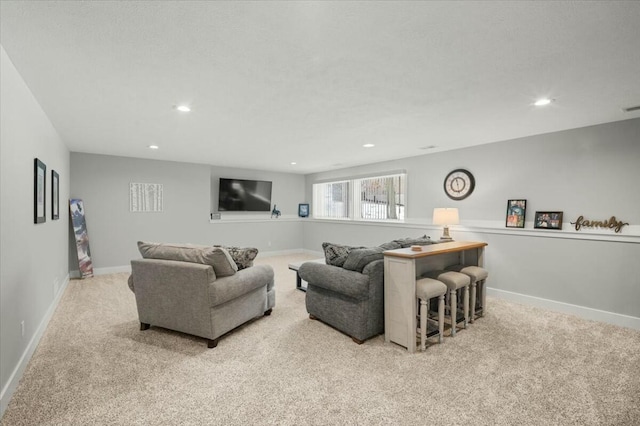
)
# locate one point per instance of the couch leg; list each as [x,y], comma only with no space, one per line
[267,313]
[312,317]
[144,326]
[357,340]
[212,343]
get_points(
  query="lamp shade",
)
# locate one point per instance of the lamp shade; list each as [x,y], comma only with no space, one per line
[445,216]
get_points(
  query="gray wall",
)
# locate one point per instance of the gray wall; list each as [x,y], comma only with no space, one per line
[287,190]
[33,258]
[590,171]
[103,183]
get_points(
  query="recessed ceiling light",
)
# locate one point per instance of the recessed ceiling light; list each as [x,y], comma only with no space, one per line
[368,145]
[293,163]
[154,147]
[183,108]
[543,102]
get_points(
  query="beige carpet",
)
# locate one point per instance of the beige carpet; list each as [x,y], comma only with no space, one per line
[517,366]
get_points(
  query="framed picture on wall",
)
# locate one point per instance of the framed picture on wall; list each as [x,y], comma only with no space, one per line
[516,213]
[303,210]
[548,220]
[39,189]
[55,195]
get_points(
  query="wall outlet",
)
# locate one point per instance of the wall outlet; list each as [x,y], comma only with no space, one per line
[22,328]
[269,243]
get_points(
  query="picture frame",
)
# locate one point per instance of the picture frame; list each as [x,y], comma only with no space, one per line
[303,210]
[55,195]
[516,211]
[548,220]
[39,190]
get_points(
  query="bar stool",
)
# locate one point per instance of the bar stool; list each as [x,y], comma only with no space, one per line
[478,277]
[426,289]
[454,281]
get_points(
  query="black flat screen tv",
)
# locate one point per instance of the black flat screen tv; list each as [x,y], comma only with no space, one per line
[240,195]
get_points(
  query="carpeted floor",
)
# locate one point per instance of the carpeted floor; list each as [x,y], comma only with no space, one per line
[517,366]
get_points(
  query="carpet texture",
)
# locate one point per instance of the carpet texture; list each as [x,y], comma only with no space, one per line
[518,365]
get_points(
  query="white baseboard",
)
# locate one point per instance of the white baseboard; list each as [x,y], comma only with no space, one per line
[316,253]
[103,271]
[16,375]
[280,252]
[567,308]
[112,270]
[127,268]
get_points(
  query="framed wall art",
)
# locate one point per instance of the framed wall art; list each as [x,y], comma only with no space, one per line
[303,210]
[516,213]
[39,189]
[548,220]
[55,195]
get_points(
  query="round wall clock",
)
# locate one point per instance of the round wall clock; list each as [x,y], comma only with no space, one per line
[459,184]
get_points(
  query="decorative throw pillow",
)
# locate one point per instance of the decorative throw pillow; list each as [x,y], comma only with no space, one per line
[420,241]
[357,259]
[242,256]
[336,254]
[222,263]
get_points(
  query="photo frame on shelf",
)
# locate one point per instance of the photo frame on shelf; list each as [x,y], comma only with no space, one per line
[516,210]
[548,220]
[303,210]
[55,195]
[39,190]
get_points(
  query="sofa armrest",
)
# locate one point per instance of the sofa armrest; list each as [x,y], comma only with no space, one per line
[240,283]
[173,294]
[349,283]
[375,271]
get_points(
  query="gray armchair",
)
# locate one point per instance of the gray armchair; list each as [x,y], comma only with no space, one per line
[348,291]
[201,293]
[348,300]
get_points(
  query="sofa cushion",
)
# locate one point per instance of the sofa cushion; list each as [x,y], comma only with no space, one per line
[242,256]
[335,279]
[336,254]
[420,241]
[391,245]
[217,257]
[245,281]
[357,259]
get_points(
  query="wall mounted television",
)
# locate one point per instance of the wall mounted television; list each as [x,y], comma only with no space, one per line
[242,195]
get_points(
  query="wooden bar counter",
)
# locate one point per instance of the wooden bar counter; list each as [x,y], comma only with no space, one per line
[402,267]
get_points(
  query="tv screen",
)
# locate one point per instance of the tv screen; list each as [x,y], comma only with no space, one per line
[244,195]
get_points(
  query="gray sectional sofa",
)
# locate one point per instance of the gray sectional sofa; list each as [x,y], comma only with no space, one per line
[347,292]
[199,290]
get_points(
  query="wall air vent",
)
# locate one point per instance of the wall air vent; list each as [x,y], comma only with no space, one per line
[631,109]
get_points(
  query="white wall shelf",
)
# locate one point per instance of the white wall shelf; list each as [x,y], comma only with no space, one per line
[259,219]
[629,234]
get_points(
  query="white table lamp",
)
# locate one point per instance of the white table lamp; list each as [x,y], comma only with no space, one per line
[446,217]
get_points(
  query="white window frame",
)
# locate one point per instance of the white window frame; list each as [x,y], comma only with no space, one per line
[362,205]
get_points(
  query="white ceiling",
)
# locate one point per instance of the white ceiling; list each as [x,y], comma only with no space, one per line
[311,82]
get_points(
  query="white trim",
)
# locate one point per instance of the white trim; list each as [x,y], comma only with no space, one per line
[127,268]
[567,308]
[112,270]
[631,234]
[102,271]
[362,176]
[256,219]
[18,371]
[281,252]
